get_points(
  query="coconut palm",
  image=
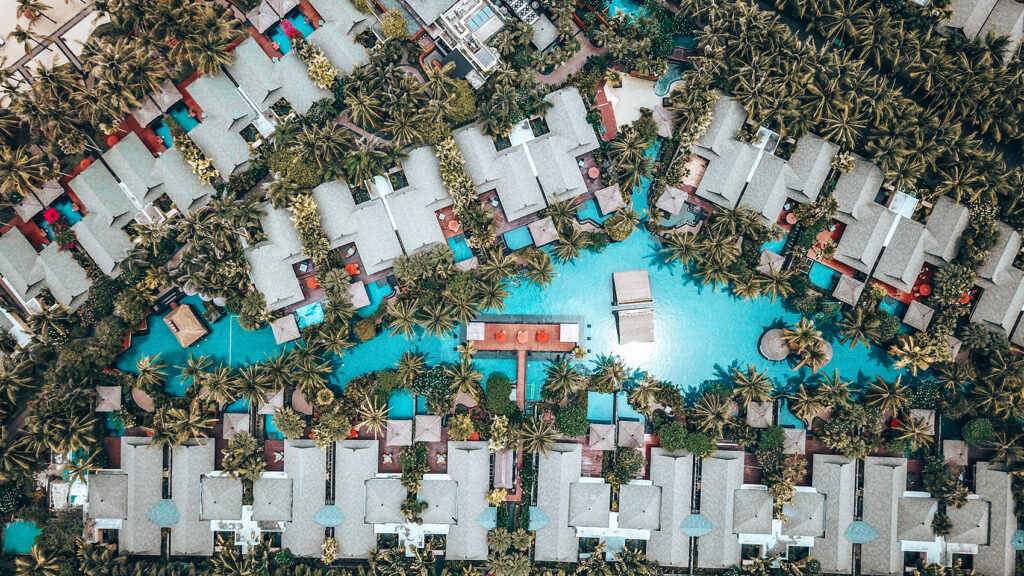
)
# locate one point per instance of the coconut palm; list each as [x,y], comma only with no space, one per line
[804,403]
[857,327]
[802,335]
[36,563]
[465,378]
[219,385]
[492,294]
[711,413]
[152,373]
[21,171]
[310,374]
[777,285]
[373,415]
[955,376]
[195,368]
[363,106]
[814,357]
[834,391]
[277,370]
[681,247]
[191,422]
[17,456]
[539,269]
[915,431]
[911,352]
[49,323]
[402,318]
[1006,447]
[409,366]
[498,266]
[79,468]
[466,351]
[15,376]
[436,318]
[890,397]
[748,286]
[609,375]
[718,248]
[562,213]
[562,379]
[252,384]
[538,435]
[569,244]
[328,144]
[715,273]
[461,308]
[644,394]
[751,386]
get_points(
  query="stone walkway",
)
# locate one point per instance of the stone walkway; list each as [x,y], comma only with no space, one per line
[572,65]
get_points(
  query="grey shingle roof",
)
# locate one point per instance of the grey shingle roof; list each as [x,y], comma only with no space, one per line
[291,74]
[366,224]
[811,162]
[993,484]
[946,223]
[862,240]
[441,497]
[914,519]
[835,477]
[720,547]
[17,264]
[589,504]
[970,15]
[640,506]
[468,466]
[64,276]
[221,498]
[767,191]
[1002,255]
[180,184]
[384,497]
[885,480]
[508,172]
[970,522]
[1000,304]
[414,207]
[673,473]
[752,512]
[902,259]
[856,188]
[306,467]
[191,536]
[272,499]
[556,541]
[226,114]
[355,464]
[806,516]
[337,36]
[138,534]
[98,190]
[273,276]
[108,495]
[106,245]
[568,119]
[727,116]
[133,164]
[430,10]
[726,173]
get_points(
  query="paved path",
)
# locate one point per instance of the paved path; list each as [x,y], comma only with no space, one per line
[342,119]
[572,65]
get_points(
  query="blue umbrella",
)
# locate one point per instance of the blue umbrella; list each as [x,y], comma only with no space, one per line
[328,516]
[696,526]
[489,519]
[538,519]
[860,532]
[164,514]
[1017,540]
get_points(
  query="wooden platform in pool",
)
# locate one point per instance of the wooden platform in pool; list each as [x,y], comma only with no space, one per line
[531,344]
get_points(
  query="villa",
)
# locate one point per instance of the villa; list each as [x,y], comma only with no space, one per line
[25,273]
[979,18]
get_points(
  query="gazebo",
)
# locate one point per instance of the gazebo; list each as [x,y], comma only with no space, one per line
[602,437]
[771,263]
[357,294]
[235,422]
[185,325]
[773,346]
[271,402]
[143,401]
[672,200]
[955,452]
[631,434]
[918,315]
[300,404]
[795,441]
[428,428]
[285,329]
[609,199]
[848,290]
[108,398]
[543,231]
[399,433]
[761,414]
[632,287]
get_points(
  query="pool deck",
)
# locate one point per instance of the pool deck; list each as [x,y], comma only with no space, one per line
[531,345]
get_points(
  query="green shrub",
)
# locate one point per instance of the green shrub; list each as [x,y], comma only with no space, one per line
[626,464]
[700,445]
[772,439]
[572,420]
[977,431]
[366,329]
[673,436]
[499,389]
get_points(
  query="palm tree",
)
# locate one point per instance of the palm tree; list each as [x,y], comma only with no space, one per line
[49,322]
[36,563]
[17,458]
[277,370]
[15,376]
[834,391]
[466,351]
[539,269]
[410,365]
[402,318]
[569,244]
[436,318]
[804,404]
[220,385]
[712,413]
[609,375]
[890,397]
[310,374]
[644,394]
[195,368]
[22,171]
[802,335]
[492,294]
[751,386]
[191,422]
[151,372]
[1006,447]
[373,415]
[748,286]
[916,431]
[857,327]
[465,378]
[538,435]
[913,353]
[252,384]
[681,247]
[78,469]
[363,107]
[562,379]
[777,285]
[815,357]
[718,248]
[562,213]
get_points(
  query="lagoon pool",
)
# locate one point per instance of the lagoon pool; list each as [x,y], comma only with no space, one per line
[664,84]
[893,306]
[270,428]
[626,8]
[377,291]
[823,277]
[589,210]
[401,405]
[623,410]
[460,248]
[276,33]
[19,537]
[518,238]
[776,245]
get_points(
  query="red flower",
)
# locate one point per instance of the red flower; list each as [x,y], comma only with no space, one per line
[51,215]
[289,29]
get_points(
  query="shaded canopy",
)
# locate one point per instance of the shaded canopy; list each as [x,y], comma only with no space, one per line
[271,402]
[631,434]
[488,519]
[761,414]
[770,263]
[632,287]
[954,452]
[164,514]
[672,200]
[300,404]
[602,437]
[262,17]
[108,398]
[848,290]
[609,199]
[142,400]
[543,231]
[185,325]
[954,345]
[696,526]
[475,331]
[285,329]
[399,433]
[428,428]
[773,346]
[918,315]
[235,422]
[795,441]
[357,294]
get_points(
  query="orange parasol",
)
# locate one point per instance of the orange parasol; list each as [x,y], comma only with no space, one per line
[522,337]
[500,336]
[542,336]
[352,268]
[925,290]
[312,282]
[593,172]
[965,298]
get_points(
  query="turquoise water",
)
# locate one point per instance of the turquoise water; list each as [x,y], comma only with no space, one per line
[684,41]
[401,405]
[377,291]
[460,248]
[309,315]
[823,277]
[19,537]
[777,245]
[180,114]
[518,238]
[786,418]
[66,209]
[589,210]
[690,216]
[623,411]
[237,407]
[160,129]
[626,7]
[638,198]
[113,426]
[600,408]
[270,429]
[276,34]
[664,84]
[893,306]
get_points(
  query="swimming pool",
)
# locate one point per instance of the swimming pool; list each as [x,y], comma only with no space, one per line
[161,129]
[893,306]
[377,292]
[179,112]
[301,24]
[600,408]
[777,245]
[623,410]
[823,277]
[689,217]
[460,248]
[626,7]
[589,210]
[19,537]
[664,84]
[518,238]
[66,209]
[270,429]
[401,405]
[639,196]
[786,418]
[239,406]
[309,315]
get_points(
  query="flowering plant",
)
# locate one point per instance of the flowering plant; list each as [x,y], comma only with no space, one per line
[51,215]
[289,29]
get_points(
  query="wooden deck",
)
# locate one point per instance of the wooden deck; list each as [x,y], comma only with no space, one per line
[531,345]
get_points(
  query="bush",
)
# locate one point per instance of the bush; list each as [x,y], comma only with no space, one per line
[58,534]
[366,329]
[10,498]
[572,420]
[673,436]
[888,327]
[460,427]
[772,439]
[977,431]
[290,423]
[627,463]
[499,389]
[700,445]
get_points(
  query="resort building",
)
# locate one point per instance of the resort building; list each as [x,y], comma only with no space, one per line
[460,29]
[267,81]
[538,163]
[271,261]
[226,114]
[24,273]
[1000,303]
[980,18]
[672,480]
[720,548]
[336,35]
[856,190]
[122,499]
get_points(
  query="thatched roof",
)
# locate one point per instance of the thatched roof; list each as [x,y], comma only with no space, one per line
[143,401]
[631,434]
[609,199]
[235,422]
[108,398]
[771,263]
[399,433]
[185,325]
[283,7]
[632,287]
[285,329]
[271,401]
[300,404]
[428,428]
[543,231]
[795,442]
[602,437]
[672,200]
[357,294]
[761,414]
[773,346]
[918,315]
[955,452]
[848,290]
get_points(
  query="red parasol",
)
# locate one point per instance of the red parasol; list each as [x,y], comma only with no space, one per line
[542,336]
[925,289]
[352,269]
[312,282]
[500,336]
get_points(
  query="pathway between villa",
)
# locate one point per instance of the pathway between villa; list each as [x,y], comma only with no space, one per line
[572,65]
